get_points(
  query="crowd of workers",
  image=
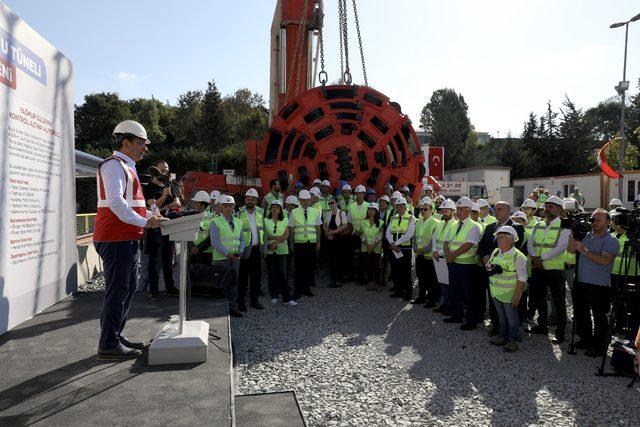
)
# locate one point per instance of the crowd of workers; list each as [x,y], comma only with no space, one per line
[470,258]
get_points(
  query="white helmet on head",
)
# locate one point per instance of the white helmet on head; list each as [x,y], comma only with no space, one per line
[292,200]
[201,196]
[482,203]
[346,187]
[529,203]
[214,194]
[401,201]
[475,207]
[615,202]
[519,214]
[448,204]
[426,201]
[225,199]
[555,200]
[373,205]
[316,181]
[276,202]
[507,229]
[384,198]
[304,195]
[315,191]
[251,192]
[396,195]
[360,189]
[326,182]
[465,202]
[130,127]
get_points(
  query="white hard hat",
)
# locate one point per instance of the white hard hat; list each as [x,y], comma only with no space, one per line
[292,200]
[482,203]
[554,200]
[396,195]
[528,203]
[426,201]
[326,182]
[304,195]
[475,207]
[440,196]
[130,127]
[276,202]
[448,204]
[226,200]
[428,188]
[373,205]
[346,187]
[509,230]
[519,214]
[316,181]
[384,198]
[401,201]
[464,202]
[201,196]
[251,192]
[214,194]
[360,189]
[615,202]
[315,191]
[405,188]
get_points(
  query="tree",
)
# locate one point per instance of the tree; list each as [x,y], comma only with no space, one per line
[188,116]
[214,131]
[246,115]
[604,120]
[445,118]
[633,118]
[96,118]
[147,112]
[576,144]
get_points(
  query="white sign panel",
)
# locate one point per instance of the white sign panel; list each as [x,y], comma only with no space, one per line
[453,188]
[229,172]
[37,194]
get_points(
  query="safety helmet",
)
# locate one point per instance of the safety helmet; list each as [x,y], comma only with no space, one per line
[508,230]
[315,191]
[448,204]
[529,203]
[346,187]
[226,200]
[130,127]
[360,189]
[251,192]
[465,202]
[201,196]
[482,203]
[292,200]
[615,202]
[304,195]
[396,195]
[373,205]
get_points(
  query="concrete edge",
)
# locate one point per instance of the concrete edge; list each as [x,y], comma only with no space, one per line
[232,382]
[295,397]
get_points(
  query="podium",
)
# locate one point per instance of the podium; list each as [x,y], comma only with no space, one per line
[184,341]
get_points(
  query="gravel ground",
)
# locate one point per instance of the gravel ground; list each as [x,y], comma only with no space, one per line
[94,285]
[361,358]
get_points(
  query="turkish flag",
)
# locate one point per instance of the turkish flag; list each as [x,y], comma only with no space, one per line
[436,162]
[602,162]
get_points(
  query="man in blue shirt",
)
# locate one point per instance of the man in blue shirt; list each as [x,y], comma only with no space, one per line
[592,292]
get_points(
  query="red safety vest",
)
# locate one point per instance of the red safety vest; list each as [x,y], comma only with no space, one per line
[108,227]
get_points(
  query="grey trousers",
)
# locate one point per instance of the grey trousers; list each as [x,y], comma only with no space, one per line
[229,280]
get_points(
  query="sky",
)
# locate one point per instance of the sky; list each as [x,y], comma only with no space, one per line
[507,57]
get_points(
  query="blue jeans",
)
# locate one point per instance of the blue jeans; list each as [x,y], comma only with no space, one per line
[120,261]
[509,320]
[460,281]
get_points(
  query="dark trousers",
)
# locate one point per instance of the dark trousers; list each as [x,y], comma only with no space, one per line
[461,279]
[250,276]
[337,258]
[159,247]
[360,262]
[482,295]
[349,254]
[120,262]
[305,267]
[428,286]
[369,263]
[278,282]
[401,272]
[592,299]
[554,280]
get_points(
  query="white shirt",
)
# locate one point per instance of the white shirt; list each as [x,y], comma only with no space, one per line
[341,217]
[521,264]
[254,227]
[115,183]
[563,242]
[473,236]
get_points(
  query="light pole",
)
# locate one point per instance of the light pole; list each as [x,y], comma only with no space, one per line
[622,88]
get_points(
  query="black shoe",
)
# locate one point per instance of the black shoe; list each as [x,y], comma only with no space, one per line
[155,296]
[172,291]
[430,304]
[242,307]
[234,313]
[493,331]
[594,352]
[541,330]
[395,295]
[419,300]
[452,320]
[583,344]
[256,305]
[307,293]
[131,344]
[468,326]
[119,353]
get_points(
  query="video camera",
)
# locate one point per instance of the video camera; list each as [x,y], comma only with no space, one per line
[494,269]
[629,219]
[154,172]
[579,223]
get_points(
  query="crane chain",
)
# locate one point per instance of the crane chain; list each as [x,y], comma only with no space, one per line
[346,76]
[364,68]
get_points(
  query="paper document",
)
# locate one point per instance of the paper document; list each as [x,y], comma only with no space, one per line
[442,271]
[397,254]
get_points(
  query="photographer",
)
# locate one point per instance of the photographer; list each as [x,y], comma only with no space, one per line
[592,292]
[160,197]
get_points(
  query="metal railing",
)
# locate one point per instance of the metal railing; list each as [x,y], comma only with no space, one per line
[85,224]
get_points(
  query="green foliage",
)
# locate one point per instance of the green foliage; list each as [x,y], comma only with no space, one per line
[180,159]
[214,130]
[631,154]
[446,120]
[233,157]
[96,118]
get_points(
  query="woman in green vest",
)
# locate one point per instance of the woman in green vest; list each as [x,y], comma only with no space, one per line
[276,249]
[371,249]
[507,268]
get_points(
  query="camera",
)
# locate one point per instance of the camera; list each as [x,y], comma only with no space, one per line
[154,172]
[579,223]
[494,269]
[629,220]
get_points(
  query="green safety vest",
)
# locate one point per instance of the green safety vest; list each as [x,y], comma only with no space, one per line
[542,198]
[399,226]
[424,233]
[489,219]
[441,231]
[344,205]
[436,215]
[229,238]
[269,198]
[503,286]
[542,244]
[304,231]
[203,230]
[280,228]
[369,235]
[619,266]
[324,203]
[569,258]
[358,214]
[246,225]
[460,239]
[387,215]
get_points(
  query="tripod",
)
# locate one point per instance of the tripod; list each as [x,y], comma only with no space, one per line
[629,254]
